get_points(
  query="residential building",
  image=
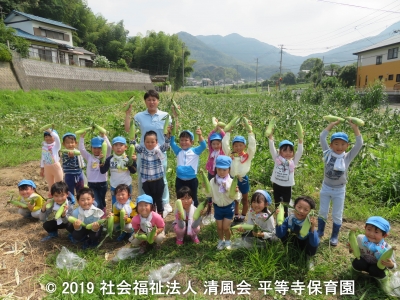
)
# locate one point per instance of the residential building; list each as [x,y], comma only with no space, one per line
[380,61]
[49,40]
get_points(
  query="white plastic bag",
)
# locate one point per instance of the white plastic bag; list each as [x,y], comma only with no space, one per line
[247,242]
[125,253]
[165,273]
[69,260]
[395,284]
[208,219]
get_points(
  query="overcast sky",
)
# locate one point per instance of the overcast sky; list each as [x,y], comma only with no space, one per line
[302,26]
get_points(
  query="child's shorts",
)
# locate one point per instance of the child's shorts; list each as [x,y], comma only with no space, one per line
[224,212]
[244,185]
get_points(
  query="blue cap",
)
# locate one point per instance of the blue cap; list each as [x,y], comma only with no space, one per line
[379,222]
[239,138]
[266,195]
[119,139]
[48,133]
[340,136]
[27,182]
[69,134]
[189,133]
[96,142]
[223,162]
[285,142]
[215,136]
[144,198]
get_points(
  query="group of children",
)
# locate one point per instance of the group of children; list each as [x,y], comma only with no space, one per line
[228,161]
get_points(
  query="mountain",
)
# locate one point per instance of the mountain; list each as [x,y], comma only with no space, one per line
[235,50]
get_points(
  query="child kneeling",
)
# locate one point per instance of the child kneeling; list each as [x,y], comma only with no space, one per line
[123,197]
[187,225]
[33,201]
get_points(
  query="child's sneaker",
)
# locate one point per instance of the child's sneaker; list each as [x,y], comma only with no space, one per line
[228,245]
[51,235]
[121,236]
[179,242]
[221,245]
[195,239]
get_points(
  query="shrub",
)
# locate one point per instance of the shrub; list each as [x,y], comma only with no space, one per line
[101,62]
[312,95]
[374,96]
[5,54]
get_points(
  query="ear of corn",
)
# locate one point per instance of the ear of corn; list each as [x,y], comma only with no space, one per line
[100,129]
[331,118]
[353,244]
[179,207]
[221,124]
[76,152]
[141,236]
[386,255]
[247,125]
[81,131]
[306,227]
[231,123]
[199,209]
[50,204]
[100,222]
[130,102]
[281,214]
[131,150]
[214,121]
[244,226]
[270,126]
[166,124]
[122,214]
[257,228]
[205,181]
[45,127]
[110,226]
[299,130]
[356,121]
[132,130]
[104,147]
[196,136]
[232,190]
[72,220]
[17,203]
[152,234]
[60,210]
[173,130]
[176,107]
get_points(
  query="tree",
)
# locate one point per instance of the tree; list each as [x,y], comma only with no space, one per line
[333,68]
[308,64]
[16,43]
[289,78]
[348,75]
[316,72]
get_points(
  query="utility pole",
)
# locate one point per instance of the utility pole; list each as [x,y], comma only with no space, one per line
[237,71]
[280,69]
[183,66]
[257,75]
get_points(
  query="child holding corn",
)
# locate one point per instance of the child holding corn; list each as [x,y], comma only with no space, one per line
[151,168]
[372,245]
[185,224]
[294,222]
[96,180]
[28,195]
[240,167]
[283,174]
[336,162]
[86,213]
[50,167]
[72,164]
[260,216]
[147,222]
[120,172]
[188,161]
[59,192]
[124,202]
[224,206]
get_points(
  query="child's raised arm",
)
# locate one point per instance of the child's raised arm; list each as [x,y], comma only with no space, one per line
[331,125]
[356,129]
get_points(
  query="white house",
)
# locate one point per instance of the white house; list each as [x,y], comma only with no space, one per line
[50,40]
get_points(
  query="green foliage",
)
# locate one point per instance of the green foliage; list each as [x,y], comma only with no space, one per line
[348,75]
[374,95]
[121,63]
[5,54]
[316,72]
[101,62]
[330,82]
[289,78]
[16,43]
[312,95]
[309,64]
[343,96]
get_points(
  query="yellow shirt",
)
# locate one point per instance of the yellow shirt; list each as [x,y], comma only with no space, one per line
[37,201]
[117,212]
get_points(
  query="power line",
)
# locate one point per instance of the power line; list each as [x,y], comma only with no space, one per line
[358,6]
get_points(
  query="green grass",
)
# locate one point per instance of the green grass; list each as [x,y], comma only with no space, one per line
[372,189]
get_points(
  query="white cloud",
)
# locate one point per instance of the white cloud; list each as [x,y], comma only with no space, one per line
[303,26]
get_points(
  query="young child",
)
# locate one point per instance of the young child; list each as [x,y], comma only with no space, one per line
[50,167]
[59,192]
[88,214]
[224,206]
[337,162]
[261,216]
[123,196]
[283,174]
[240,167]
[188,161]
[303,205]
[151,168]
[372,245]
[215,149]
[120,172]
[144,222]
[188,225]
[72,164]
[96,180]
[27,193]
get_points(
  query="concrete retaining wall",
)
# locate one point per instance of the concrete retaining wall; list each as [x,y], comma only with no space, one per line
[8,81]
